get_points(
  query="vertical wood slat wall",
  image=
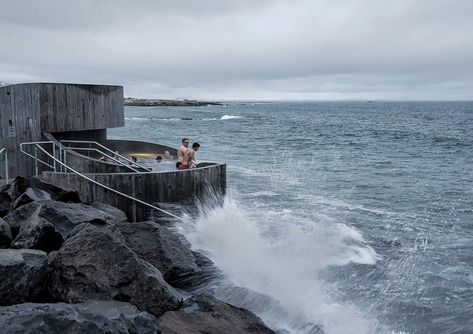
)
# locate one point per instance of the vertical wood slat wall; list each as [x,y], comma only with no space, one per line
[34,108]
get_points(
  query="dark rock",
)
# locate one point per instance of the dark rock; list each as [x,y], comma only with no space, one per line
[206,314]
[38,233]
[93,317]
[208,271]
[117,214]
[45,225]
[30,195]
[22,275]
[17,217]
[5,203]
[5,234]
[162,248]
[92,265]
[20,184]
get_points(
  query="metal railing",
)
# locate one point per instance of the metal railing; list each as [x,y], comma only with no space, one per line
[102,150]
[4,150]
[62,164]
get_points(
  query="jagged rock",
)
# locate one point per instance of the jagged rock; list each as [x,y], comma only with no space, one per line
[5,203]
[93,317]
[17,217]
[92,265]
[117,214]
[45,225]
[22,275]
[162,248]
[5,234]
[206,314]
[20,184]
[38,233]
[30,195]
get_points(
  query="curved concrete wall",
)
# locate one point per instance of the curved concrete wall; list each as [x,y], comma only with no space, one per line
[166,187]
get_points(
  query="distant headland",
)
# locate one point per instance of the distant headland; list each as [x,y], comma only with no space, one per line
[132,101]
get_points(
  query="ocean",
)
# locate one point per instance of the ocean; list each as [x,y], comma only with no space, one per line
[340,217]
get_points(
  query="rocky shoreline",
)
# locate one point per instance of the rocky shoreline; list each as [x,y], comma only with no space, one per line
[72,267]
[135,102]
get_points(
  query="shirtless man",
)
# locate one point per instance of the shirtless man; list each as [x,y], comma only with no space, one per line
[189,157]
[182,151]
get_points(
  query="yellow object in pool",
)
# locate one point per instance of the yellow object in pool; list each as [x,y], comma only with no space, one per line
[143,155]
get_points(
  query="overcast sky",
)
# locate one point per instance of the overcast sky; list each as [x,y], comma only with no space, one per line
[244,49]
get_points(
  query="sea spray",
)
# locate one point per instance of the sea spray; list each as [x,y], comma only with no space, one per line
[280,255]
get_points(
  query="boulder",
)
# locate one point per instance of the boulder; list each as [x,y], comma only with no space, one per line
[30,195]
[206,314]
[5,234]
[17,217]
[5,203]
[163,248]
[93,317]
[38,233]
[22,275]
[20,184]
[92,265]
[45,225]
[117,214]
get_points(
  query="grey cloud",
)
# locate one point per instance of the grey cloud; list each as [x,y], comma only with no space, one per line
[291,48]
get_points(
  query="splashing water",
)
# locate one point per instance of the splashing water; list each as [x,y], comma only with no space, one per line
[280,255]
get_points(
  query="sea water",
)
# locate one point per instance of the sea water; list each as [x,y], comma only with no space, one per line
[346,217]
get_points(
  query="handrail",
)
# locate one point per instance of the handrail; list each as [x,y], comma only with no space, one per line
[107,156]
[35,157]
[100,184]
[4,150]
[131,162]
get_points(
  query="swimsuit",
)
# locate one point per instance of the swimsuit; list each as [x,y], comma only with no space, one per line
[183,167]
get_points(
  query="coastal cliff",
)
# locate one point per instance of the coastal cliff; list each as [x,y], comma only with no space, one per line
[135,102]
[67,266]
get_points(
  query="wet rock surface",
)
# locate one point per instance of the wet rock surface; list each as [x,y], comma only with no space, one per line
[30,195]
[5,234]
[21,184]
[22,275]
[162,248]
[93,317]
[206,314]
[46,224]
[92,265]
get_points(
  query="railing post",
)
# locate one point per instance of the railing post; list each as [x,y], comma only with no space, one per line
[6,165]
[54,156]
[36,160]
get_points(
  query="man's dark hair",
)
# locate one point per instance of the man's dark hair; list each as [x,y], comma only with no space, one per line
[184,139]
[196,144]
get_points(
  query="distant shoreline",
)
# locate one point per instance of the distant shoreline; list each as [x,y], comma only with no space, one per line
[135,102]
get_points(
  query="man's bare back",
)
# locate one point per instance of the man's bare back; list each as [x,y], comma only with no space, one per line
[189,156]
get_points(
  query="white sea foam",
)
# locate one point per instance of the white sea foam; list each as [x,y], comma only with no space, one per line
[224,117]
[136,119]
[261,193]
[279,254]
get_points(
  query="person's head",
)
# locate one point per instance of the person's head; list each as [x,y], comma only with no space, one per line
[134,159]
[185,142]
[195,146]
[159,158]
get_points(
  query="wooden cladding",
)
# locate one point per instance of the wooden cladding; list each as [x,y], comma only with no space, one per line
[67,107]
[28,110]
